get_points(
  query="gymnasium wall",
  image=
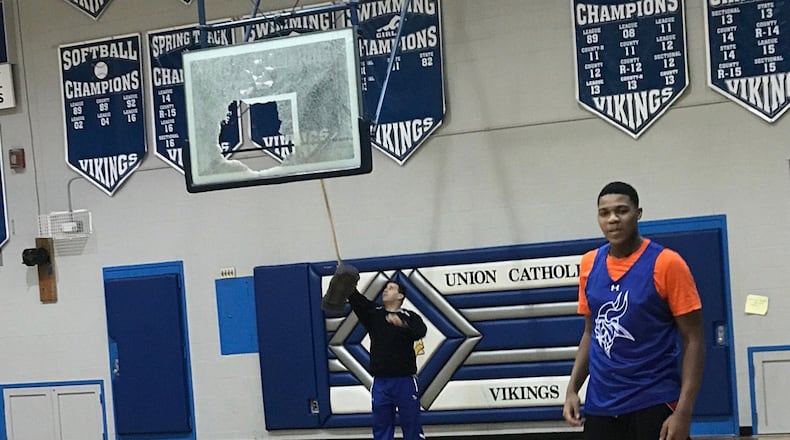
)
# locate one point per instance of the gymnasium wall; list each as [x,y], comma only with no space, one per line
[517,161]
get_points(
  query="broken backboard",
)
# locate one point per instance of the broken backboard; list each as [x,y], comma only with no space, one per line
[274,111]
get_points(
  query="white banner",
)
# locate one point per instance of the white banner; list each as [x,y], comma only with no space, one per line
[505,275]
[471,394]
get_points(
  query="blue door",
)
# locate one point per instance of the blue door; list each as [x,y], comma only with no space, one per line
[151,392]
[702,242]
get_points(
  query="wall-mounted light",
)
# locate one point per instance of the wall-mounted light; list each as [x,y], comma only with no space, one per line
[43,256]
[35,256]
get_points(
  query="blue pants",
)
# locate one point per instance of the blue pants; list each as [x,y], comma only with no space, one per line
[391,394]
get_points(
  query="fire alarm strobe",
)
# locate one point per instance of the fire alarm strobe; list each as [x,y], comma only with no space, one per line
[16,158]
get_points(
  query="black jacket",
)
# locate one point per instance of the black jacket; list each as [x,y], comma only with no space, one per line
[391,347]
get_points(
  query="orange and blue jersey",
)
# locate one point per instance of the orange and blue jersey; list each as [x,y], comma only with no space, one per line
[635,349]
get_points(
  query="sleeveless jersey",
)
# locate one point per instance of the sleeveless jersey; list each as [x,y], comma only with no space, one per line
[635,347]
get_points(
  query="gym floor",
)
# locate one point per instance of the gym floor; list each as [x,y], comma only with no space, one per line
[758,437]
[578,437]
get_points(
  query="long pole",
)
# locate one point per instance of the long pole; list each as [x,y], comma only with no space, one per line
[331,222]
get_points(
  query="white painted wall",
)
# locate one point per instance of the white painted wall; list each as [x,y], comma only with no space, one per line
[517,161]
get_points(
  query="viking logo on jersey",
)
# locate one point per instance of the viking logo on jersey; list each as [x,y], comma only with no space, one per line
[607,323]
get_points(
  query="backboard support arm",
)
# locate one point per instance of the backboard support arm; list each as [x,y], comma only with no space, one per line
[393,54]
[248,28]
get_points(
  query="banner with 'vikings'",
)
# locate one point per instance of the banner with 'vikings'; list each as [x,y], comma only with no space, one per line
[92,8]
[630,59]
[102,87]
[749,53]
[3,45]
[413,107]
[168,108]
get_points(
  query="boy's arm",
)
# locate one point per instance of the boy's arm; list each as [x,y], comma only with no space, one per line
[690,325]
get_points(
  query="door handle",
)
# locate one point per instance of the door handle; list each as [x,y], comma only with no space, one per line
[721,334]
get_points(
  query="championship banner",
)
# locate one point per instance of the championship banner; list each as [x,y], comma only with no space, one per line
[168,115]
[263,119]
[103,105]
[3,213]
[413,107]
[7,94]
[93,8]
[630,59]
[300,24]
[3,44]
[749,54]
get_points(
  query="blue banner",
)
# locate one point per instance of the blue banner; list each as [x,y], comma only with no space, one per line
[630,59]
[3,44]
[3,214]
[92,8]
[413,107]
[264,120]
[103,104]
[300,24]
[168,117]
[749,53]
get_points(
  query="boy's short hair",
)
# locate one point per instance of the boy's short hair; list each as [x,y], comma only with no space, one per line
[401,288]
[619,188]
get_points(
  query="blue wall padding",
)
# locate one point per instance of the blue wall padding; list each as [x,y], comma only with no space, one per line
[236,315]
[294,341]
[558,331]
[499,371]
[288,355]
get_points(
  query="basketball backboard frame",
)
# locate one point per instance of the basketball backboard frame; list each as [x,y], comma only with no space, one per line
[315,74]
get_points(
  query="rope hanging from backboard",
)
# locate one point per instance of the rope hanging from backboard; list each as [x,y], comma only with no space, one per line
[331,222]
